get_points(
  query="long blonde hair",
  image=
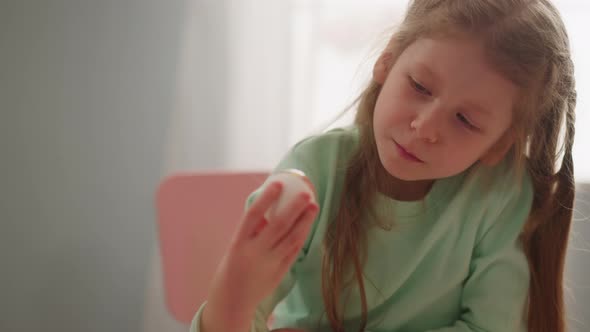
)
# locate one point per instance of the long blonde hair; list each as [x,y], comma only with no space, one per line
[526,41]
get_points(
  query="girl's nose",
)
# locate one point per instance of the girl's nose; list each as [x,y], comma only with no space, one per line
[426,126]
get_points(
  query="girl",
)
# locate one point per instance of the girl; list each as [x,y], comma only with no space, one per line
[442,207]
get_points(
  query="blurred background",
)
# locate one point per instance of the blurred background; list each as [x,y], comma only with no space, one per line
[100,100]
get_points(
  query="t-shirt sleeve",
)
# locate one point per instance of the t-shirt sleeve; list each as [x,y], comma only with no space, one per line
[296,158]
[495,292]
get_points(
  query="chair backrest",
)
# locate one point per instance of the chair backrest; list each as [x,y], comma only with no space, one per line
[197,214]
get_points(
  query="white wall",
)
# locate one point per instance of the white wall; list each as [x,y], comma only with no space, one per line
[87,89]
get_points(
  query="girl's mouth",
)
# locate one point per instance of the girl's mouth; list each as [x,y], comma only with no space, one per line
[407,155]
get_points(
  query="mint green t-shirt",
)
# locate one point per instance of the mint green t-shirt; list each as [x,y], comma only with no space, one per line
[451,262]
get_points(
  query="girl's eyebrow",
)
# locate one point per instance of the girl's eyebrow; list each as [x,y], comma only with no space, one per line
[477,107]
[426,70]
[471,105]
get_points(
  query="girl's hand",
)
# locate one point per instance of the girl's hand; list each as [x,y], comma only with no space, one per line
[260,253]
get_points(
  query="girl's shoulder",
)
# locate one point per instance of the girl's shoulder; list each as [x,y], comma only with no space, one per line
[330,149]
[501,193]
[329,141]
[503,180]
[322,156]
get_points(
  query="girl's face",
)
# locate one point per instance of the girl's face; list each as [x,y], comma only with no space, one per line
[441,108]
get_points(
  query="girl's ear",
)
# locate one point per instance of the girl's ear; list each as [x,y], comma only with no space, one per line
[497,152]
[381,68]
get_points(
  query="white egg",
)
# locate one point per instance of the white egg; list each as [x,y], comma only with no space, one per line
[294,182]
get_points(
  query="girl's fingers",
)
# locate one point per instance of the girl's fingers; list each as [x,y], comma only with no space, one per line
[261,225]
[294,239]
[254,216]
[288,260]
[283,223]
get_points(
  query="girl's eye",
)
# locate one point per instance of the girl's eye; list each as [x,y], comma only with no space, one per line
[466,122]
[419,87]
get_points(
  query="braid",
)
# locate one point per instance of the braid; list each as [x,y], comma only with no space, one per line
[546,234]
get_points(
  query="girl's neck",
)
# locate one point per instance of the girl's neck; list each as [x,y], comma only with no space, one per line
[401,190]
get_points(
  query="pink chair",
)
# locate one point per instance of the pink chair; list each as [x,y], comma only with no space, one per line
[197,214]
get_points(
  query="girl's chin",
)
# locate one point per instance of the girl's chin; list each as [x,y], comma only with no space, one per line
[404,173]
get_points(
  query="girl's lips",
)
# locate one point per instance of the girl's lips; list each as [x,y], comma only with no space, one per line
[406,154]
